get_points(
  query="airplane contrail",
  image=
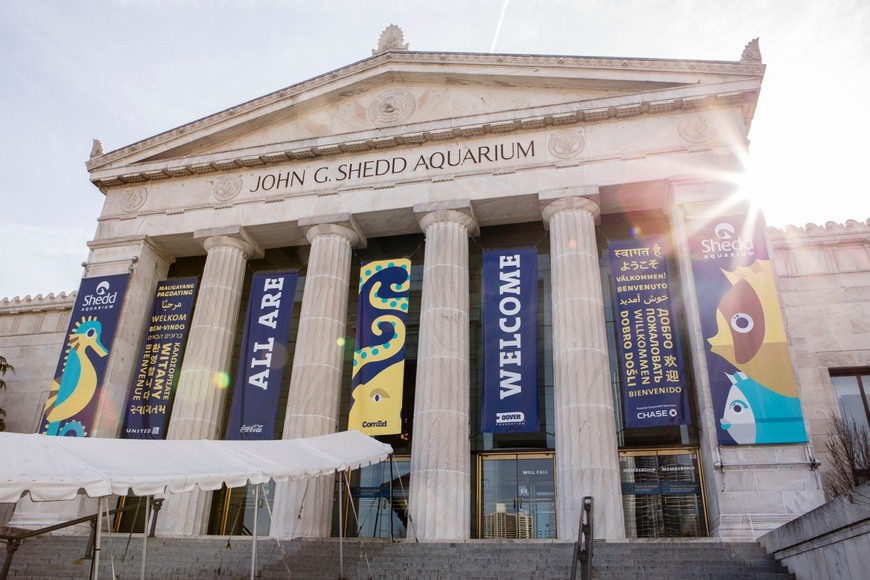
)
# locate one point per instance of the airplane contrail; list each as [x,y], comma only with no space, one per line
[498,28]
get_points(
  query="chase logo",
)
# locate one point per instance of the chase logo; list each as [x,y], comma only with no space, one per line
[102,298]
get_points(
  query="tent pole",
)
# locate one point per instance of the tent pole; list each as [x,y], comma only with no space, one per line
[340,526]
[254,531]
[145,534]
[99,533]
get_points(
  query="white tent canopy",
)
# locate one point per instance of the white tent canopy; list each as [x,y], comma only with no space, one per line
[58,468]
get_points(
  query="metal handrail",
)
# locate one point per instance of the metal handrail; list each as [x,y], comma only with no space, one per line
[13,540]
[583,545]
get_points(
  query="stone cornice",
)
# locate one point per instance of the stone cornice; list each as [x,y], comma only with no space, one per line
[38,303]
[441,58]
[813,235]
[552,116]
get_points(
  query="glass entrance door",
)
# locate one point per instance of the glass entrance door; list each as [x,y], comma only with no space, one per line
[662,493]
[517,496]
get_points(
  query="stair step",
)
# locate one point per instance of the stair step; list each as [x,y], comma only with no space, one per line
[53,557]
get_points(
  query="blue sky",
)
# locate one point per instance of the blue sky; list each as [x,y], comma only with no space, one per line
[124,70]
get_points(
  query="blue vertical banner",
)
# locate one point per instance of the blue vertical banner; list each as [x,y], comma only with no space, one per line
[752,379]
[71,407]
[510,341]
[160,360]
[261,362]
[379,359]
[654,388]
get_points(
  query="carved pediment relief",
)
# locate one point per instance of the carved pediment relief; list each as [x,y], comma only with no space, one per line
[395,95]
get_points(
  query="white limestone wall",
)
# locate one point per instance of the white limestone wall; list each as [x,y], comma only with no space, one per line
[823,274]
[750,489]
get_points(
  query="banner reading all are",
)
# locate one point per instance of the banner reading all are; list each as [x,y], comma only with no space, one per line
[379,360]
[75,391]
[262,356]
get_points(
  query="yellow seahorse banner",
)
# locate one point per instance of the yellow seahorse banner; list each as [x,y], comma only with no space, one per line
[75,391]
[379,359]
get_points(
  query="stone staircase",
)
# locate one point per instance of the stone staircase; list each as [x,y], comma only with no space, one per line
[55,557]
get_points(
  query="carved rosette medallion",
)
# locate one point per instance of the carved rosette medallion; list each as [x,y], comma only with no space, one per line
[134,199]
[392,108]
[227,187]
[566,144]
[696,129]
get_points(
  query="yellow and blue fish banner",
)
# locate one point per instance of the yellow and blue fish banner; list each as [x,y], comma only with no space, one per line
[379,359]
[654,388]
[750,370]
[150,397]
[74,394]
[262,356]
[510,341]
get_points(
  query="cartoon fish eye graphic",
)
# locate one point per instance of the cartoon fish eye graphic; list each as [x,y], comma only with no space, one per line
[738,406]
[742,323]
[745,313]
[738,417]
[378,395]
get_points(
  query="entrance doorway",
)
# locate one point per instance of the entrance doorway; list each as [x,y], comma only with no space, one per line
[662,493]
[516,496]
[378,502]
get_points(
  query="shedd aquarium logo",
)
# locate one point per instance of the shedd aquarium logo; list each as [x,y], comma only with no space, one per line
[101,299]
[725,243]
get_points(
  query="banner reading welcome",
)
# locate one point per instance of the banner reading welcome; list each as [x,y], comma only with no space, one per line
[75,391]
[751,376]
[160,360]
[379,359]
[654,389]
[510,341]
[261,363]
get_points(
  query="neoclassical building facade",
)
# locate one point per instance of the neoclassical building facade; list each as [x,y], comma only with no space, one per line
[446,159]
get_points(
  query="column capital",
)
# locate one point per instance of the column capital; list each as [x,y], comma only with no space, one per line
[234,236]
[558,200]
[459,211]
[342,224]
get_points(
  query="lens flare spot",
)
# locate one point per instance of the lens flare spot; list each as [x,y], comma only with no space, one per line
[222,380]
[572,244]
[340,341]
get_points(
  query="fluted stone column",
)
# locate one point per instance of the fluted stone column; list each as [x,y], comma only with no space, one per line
[440,488]
[304,508]
[587,461]
[201,393]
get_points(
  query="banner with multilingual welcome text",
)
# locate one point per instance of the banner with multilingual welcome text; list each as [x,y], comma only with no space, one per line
[150,398]
[654,388]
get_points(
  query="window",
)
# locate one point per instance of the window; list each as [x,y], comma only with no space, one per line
[853,391]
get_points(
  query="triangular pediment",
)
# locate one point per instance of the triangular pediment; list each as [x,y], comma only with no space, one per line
[398,98]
